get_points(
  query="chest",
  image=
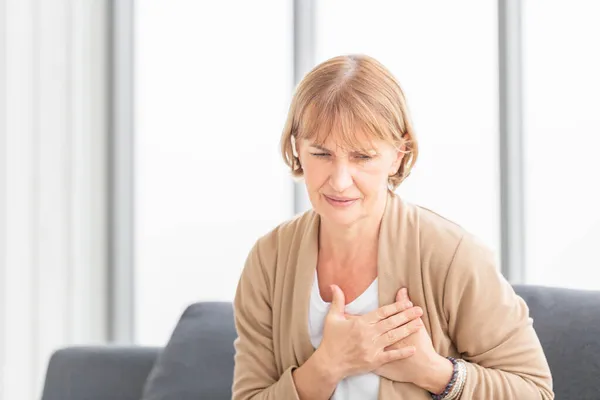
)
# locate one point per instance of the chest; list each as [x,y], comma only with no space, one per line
[366,302]
[352,280]
[359,387]
[297,330]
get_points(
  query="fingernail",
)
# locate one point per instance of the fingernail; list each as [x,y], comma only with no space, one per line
[408,304]
[404,292]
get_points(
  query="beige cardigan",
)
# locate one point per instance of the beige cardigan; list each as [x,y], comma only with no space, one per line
[470,310]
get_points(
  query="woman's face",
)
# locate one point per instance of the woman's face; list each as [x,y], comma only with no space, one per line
[346,186]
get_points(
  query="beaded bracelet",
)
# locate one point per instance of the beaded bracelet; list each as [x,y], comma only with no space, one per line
[457,389]
[457,381]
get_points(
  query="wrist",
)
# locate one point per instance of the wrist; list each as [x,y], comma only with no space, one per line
[328,368]
[316,378]
[436,378]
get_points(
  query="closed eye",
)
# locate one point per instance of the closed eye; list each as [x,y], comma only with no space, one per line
[363,157]
[320,154]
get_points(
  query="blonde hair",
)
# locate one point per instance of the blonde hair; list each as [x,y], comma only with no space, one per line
[350,94]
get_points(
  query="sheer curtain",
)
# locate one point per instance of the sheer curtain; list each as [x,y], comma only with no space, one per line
[53,118]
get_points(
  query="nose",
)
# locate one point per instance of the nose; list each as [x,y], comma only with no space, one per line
[341,177]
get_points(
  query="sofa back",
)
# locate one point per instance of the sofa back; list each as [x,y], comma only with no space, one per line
[568,324]
[199,357]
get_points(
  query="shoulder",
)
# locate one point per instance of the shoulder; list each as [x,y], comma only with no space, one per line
[435,226]
[268,254]
[280,241]
[286,234]
[438,236]
[455,263]
[448,244]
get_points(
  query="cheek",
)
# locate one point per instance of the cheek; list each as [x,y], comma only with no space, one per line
[315,173]
[372,177]
[377,172]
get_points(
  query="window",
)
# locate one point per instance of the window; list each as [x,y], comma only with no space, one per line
[561,88]
[213,83]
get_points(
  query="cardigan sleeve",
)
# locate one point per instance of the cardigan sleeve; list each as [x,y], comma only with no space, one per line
[255,373]
[491,329]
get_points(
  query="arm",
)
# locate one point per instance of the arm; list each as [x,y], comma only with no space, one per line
[255,373]
[491,328]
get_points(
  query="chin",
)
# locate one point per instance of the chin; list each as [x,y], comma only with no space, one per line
[341,221]
[342,217]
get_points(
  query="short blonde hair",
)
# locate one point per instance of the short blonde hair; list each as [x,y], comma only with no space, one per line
[350,94]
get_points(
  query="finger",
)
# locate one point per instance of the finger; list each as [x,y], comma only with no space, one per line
[397,354]
[387,311]
[399,319]
[392,336]
[402,295]
[338,302]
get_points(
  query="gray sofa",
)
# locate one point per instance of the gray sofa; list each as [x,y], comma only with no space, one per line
[197,363]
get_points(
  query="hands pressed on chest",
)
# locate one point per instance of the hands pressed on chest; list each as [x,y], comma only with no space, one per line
[426,368]
[391,342]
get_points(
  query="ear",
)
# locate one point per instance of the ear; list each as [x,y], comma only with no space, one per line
[398,160]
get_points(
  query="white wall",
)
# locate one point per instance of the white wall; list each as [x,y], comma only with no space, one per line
[52,215]
[213,81]
[562,142]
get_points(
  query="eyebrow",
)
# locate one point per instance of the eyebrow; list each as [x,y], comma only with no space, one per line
[371,152]
[316,146]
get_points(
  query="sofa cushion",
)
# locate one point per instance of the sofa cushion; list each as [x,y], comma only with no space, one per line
[197,362]
[568,324]
[98,372]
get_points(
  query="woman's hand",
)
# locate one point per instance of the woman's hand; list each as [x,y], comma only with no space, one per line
[426,368]
[361,344]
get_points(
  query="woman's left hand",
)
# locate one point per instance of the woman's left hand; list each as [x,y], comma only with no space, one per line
[426,368]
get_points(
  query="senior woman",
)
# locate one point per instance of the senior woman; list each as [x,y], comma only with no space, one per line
[367,296]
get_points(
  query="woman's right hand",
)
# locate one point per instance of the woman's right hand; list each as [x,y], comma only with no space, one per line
[357,344]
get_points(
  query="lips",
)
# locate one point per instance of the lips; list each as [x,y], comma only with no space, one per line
[340,201]
[340,198]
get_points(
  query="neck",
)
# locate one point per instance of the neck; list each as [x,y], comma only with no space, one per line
[354,245]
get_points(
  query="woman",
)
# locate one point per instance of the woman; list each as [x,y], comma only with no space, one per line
[367,296]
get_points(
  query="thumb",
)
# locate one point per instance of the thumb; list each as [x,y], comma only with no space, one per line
[402,295]
[338,302]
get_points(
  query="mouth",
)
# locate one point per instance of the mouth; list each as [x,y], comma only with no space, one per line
[340,201]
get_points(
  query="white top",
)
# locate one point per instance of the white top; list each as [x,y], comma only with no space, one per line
[357,387]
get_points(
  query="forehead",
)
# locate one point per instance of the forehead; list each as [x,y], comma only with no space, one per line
[341,129]
[337,143]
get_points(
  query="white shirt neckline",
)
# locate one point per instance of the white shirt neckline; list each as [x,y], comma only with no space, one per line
[356,306]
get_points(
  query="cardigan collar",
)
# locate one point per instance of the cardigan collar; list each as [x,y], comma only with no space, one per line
[398,248]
